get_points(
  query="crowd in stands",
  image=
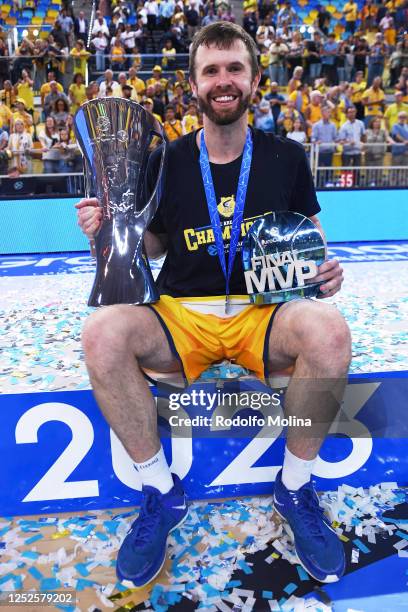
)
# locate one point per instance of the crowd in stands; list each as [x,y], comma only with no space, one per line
[345,90]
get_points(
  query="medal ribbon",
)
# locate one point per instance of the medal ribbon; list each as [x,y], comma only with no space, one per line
[239,205]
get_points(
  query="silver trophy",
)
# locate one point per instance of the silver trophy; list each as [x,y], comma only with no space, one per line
[115,137]
[281,254]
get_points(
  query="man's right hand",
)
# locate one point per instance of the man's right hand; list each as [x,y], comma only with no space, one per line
[89,216]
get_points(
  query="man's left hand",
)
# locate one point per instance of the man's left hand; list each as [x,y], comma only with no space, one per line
[332,274]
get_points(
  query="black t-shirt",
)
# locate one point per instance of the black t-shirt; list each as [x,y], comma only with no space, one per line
[280,180]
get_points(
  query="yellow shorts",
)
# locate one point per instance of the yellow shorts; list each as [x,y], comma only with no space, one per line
[200,340]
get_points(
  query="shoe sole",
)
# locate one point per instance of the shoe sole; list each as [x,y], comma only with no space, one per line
[141,586]
[330,577]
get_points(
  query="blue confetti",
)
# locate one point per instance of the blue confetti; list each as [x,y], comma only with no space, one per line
[290,588]
[361,546]
[35,573]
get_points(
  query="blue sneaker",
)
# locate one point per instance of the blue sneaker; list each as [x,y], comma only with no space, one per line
[317,545]
[143,551]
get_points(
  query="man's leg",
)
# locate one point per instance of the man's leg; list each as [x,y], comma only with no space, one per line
[315,338]
[118,341]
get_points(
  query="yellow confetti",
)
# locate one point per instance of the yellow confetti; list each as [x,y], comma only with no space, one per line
[60,534]
[344,538]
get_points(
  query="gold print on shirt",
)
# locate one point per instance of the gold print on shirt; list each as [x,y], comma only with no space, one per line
[227,206]
[203,236]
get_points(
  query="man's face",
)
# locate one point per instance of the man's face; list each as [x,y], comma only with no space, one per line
[376,82]
[351,113]
[224,86]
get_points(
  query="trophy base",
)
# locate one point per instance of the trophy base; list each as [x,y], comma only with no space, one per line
[285,295]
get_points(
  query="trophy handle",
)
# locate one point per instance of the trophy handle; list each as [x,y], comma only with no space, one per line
[151,206]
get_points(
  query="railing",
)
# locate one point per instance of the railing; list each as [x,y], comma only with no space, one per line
[368,174]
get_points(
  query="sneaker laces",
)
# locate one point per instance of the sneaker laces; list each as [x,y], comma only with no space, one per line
[309,511]
[146,523]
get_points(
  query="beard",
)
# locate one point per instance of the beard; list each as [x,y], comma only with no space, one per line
[227,116]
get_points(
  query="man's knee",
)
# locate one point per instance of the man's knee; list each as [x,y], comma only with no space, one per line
[114,330]
[324,337]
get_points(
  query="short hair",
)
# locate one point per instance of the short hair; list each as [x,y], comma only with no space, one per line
[223,34]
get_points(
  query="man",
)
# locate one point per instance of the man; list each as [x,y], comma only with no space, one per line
[51,98]
[358,87]
[81,27]
[46,87]
[134,81]
[394,109]
[351,136]
[275,100]
[376,59]
[329,52]
[324,134]
[109,82]
[400,135]
[308,334]
[373,100]
[350,12]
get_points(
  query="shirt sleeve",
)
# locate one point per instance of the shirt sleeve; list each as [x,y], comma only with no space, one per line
[303,197]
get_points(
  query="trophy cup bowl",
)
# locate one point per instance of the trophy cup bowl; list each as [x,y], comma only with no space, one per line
[115,137]
[280,255]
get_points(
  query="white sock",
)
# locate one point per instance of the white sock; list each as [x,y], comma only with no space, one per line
[296,472]
[155,472]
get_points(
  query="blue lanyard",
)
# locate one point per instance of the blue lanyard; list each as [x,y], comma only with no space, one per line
[238,211]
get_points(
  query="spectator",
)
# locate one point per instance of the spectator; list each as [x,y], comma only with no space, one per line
[117,56]
[158,78]
[350,12]
[286,15]
[360,51]
[278,51]
[52,97]
[191,120]
[400,135]
[295,54]
[298,133]
[376,59]
[263,118]
[193,20]
[5,116]
[20,146]
[46,87]
[23,59]
[49,137]
[108,82]
[100,26]
[276,100]
[351,136]
[125,88]
[148,104]
[66,22]
[4,151]
[329,52]
[60,113]
[128,38]
[4,63]
[301,98]
[211,17]
[313,112]
[166,10]
[81,27]
[100,43]
[286,118]
[368,15]
[21,114]
[396,60]
[24,90]
[80,57]
[296,80]
[394,109]
[172,126]
[179,100]
[169,53]
[312,57]
[376,139]
[40,62]
[373,100]
[152,9]
[358,87]
[59,36]
[68,153]
[250,23]
[387,27]
[323,20]
[324,134]
[179,19]
[134,81]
